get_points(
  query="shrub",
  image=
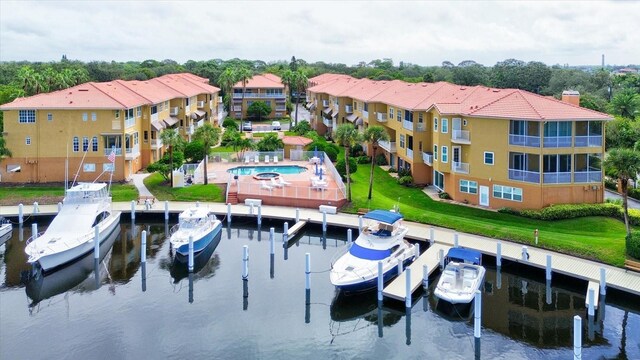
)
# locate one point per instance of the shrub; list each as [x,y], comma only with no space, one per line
[633,244]
[302,128]
[404,172]
[364,160]
[270,142]
[570,211]
[194,151]
[392,171]
[340,166]
[381,160]
[229,123]
[610,184]
[405,180]
[163,165]
[634,193]
[332,153]
[228,136]
[444,195]
[357,150]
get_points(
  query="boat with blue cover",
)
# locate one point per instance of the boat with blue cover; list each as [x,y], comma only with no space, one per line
[199,224]
[462,276]
[355,267]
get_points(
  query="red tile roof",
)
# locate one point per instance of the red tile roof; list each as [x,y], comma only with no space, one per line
[262,81]
[296,140]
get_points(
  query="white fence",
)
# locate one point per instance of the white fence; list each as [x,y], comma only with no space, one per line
[289,191]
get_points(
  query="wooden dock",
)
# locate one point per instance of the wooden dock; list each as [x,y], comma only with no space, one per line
[596,294]
[397,288]
[296,228]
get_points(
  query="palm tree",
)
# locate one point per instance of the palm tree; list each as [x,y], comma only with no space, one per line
[30,80]
[226,80]
[295,80]
[171,138]
[4,151]
[373,135]
[347,135]
[209,135]
[243,74]
[241,144]
[626,104]
[624,164]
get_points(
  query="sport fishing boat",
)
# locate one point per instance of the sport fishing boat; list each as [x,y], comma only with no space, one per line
[71,234]
[198,224]
[355,267]
[5,230]
[462,276]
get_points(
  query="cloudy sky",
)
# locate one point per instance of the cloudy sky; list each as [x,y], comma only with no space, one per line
[426,33]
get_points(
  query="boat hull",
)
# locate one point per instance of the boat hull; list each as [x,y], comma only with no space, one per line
[56,260]
[182,251]
[456,289]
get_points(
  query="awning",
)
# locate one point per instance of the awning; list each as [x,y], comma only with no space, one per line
[327,110]
[352,117]
[157,125]
[359,122]
[312,107]
[171,121]
[198,114]
[335,114]
[383,216]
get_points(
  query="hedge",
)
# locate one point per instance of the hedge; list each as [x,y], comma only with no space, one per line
[570,211]
[633,244]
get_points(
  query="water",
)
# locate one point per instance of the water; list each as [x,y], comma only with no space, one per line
[281,169]
[151,311]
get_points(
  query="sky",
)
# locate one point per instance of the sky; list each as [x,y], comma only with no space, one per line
[418,32]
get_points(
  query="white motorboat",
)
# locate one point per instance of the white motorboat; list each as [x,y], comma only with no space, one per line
[461,277]
[5,230]
[355,267]
[198,224]
[71,234]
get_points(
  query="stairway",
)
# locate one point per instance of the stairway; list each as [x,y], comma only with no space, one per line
[232,198]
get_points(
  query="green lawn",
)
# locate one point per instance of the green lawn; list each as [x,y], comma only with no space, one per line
[222,149]
[259,135]
[46,194]
[161,190]
[597,238]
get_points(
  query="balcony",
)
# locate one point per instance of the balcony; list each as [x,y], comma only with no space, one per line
[524,140]
[557,141]
[348,109]
[460,167]
[258,95]
[587,176]
[427,158]
[407,125]
[156,144]
[325,103]
[107,151]
[524,175]
[190,130]
[460,137]
[237,108]
[174,111]
[132,153]
[200,104]
[327,122]
[129,122]
[154,117]
[365,115]
[410,154]
[557,178]
[389,147]
[420,127]
[382,117]
[281,108]
[589,141]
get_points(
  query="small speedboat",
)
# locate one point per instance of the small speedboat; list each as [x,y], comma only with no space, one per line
[5,230]
[355,267]
[462,276]
[196,223]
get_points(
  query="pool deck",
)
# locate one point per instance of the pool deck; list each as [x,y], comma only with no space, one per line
[588,270]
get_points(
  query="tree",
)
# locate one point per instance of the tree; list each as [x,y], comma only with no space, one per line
[226,80]
[624,164]
[259,109]
[626,104]
[209,136]
[347,135]
[270,142]
[162,166]
[243,74]
[171,138]
[373,135]
[4,151]
[194,151]
[622,133]
[241,144]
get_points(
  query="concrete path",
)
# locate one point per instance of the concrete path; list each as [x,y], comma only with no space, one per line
[138,181]
[631,202]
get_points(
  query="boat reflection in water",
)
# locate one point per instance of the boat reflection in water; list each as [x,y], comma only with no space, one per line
[204,266]
[347,307]
[74,276]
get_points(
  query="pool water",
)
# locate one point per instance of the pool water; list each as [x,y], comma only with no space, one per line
[281,169]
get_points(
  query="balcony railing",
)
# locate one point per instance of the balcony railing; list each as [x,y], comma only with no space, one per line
[557,141]
[407,125]
[132,152]
[460,136]
[589,140]
[348,109]
[388,146]
[524,140]
[427,158]
[365,115]
[174,111]
[327,122]
[382,117]
[200,104]
[281,108]
[154,117]
[257,95]
[237,108]
[587,176]
[524,175]
[129,122]
[460,167]
[156,144]
[410,154]
[107,151]
[557,178]
[325,103]
[420,127]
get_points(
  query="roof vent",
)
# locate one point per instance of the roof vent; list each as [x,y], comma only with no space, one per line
[83,89]
[463,88]
[496,90]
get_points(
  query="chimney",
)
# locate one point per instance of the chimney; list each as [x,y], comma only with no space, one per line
[571,97]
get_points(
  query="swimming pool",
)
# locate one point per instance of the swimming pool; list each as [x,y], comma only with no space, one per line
[281,169]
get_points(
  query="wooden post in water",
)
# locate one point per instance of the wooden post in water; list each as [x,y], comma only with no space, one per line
[133,210]
[441,254]
[36,208]
[380,281]
[245,262]
[360,223]
[425,276]
[143,247]
[272,249]
[34,231]
[399,266]
[20,214]
[591,310]
[407,294]
[307,271]
[297,215]
[324,221]
[499,255]
[259,215]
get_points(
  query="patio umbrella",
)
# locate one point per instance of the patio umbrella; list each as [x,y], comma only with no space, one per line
[316,168]
[315,152]
[320,173]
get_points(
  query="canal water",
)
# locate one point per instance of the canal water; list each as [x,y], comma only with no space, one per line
[129,311]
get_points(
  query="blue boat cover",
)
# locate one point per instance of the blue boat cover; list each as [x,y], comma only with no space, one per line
[471,256]
[384,216]
[369,254]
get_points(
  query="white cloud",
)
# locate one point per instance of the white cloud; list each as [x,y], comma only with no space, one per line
[349,32]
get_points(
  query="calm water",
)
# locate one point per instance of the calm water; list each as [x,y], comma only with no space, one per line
[74,314]
[281,169]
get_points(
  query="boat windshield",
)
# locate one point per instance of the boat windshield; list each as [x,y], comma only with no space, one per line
[368,254]
[191,223]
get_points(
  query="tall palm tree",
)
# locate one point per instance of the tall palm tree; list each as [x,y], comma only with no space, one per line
[624,164]
[243,74]
[226,80]
[209,136]
[300,84]
[347,135]
[30,80]
[171,138]
[373,135]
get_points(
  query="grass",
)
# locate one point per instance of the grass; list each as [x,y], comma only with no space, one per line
[263,134]
[221,149]
[596,238]
[161,190]
[52,194]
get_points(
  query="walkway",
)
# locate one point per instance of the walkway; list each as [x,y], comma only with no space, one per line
[138,181]
[631,202]
[617,278]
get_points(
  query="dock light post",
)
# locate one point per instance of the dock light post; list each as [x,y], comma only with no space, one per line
[285,234]
[499,255]
[245,262]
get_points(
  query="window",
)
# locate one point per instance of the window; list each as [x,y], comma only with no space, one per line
[420,118]
[445,126]
[391,116]
[158,107]
[186,102]
[435,152]
[136,138]
[94,143]
[89,167]
[488,158]
[438,180]
[27,140]
[139,111]
[117,114]
[76,144]
[145,136]
[128,114]
[445,154]
[94,116]
[435,124]
[507,193]
[420,146]
[108,167]
[85,144]
[85,116]
[399,114]
[464,122]
[470,187]
[26,116]
[49,117]
[366,107]
[402,145]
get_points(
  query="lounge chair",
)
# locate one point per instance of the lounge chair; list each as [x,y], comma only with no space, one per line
[275,159]
[247,159]
[266,159]
[265,186]
[283,182]
[274,183]
[319,184]
[256,159]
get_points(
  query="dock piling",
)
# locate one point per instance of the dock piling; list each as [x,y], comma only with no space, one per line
[96,243]
[441,257]
[20,214]
[603,281]
[477,314]
[34,231]
[360,223]
[425,277]
[166,210]
[499,255]
[297,215]
[349,236]
[399,266]
[285,234]
[577,337]
[229,213]
[251,209]
[591,310]
[455,240]
[380,281]
[432,238]
[59,206]
[133,210]
[143,247]
[324,221]
[36,208]
[548,273]
[272,249]
[417,251]
[259,215]
[525,254]
[245,262]
[307,271]
[190,253]
[407,294]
